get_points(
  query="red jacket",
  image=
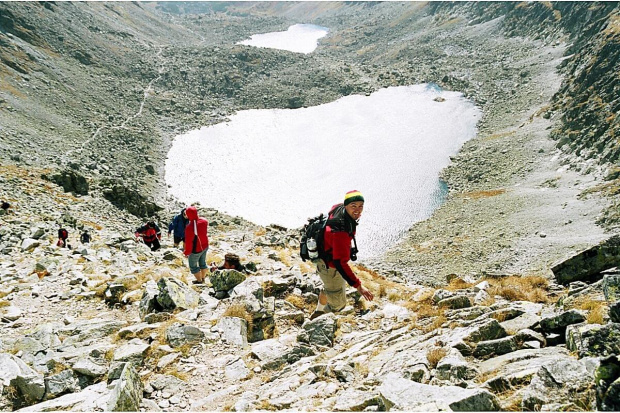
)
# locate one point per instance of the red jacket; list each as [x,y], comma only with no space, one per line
[337,245]
[196,239]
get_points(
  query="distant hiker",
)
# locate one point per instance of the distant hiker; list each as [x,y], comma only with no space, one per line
[85,237]
[196,244]
[231,262]
[334,268]
[63,234]
[151,234]
[177,226]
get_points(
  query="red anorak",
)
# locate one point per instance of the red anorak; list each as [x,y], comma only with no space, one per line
[196,239]
[337,245]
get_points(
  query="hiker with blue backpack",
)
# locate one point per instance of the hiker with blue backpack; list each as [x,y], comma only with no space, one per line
[332,251]
[177,227]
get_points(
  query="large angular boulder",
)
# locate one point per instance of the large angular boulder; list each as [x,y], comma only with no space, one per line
[320,331]
[70,180]
[61,383]
[14,372]
[607,379]
[179,334]
[225,280]
[557,381]
[234,330]
[491,348]
[611,287]
[589,262]
[175,294]
[398,393]
[558,323]
[127,393]
[594,339]
[148,302]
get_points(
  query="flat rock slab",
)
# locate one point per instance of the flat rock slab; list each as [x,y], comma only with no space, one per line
[587,263]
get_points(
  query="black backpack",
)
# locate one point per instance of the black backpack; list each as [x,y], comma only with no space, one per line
[313,230]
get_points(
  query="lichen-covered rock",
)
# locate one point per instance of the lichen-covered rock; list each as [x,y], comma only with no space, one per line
[456,302]
[491,348]
[127,393]
[611,287]
[592,261]
[320,331]
[15,372]
[557,323]
[178,334]
[594,339]
[607,379]
[225,280]
[176,294]
[398,393]
[148,303]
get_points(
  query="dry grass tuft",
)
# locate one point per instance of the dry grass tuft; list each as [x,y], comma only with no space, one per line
[265,405]
[458,284]
[435,355]
[482,194]
[597,309]
[260,232]
[285,256]
[239,311]
[516,288]
[300,303]
[4,303]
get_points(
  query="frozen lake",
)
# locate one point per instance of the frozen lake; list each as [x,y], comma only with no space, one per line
[282,165]
[299,38]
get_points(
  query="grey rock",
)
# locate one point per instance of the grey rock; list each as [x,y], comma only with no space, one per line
[29,244]
[248,287]
[58,384]
[589,262]
[114,293]
[614,312]
[607,379]
[225,280]
[441,295]
[92,398]
[611,287]
[357,400]
[89,367]
[398,393]
[559,322]
[455,302]
[176,294]
[320,331]
[594,339]
[234,330]
[491,348]
[131,352]
[237,370]
[454,368]
[15,372]
[179,334]
[127,393]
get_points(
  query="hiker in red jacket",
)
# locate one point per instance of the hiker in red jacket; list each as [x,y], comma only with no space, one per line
[196,244]
[151,234]
[334,268]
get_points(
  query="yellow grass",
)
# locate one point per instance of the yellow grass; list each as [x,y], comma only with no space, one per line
[238,310]
[435,355]
[300,303]
[516,288]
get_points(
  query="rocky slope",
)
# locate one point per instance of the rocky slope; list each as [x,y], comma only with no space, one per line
[90,98]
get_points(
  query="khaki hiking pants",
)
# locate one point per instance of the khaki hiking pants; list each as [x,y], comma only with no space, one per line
[334,286]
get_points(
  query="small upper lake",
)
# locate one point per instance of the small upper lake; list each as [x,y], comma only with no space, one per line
[282,165]
[299,38]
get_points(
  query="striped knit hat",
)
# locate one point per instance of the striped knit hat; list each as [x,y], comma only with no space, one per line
[353,196]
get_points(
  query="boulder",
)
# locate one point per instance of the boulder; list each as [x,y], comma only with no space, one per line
[557,323]
[594,339]
[234,330]
[14,372]
[71,181]
[357,400]
[614,312]
[557,381]
[320,331]
[127,393]
[455,302]
[179,334]
[398,393]
[492,348]
[149,303]
[89,367]
[589,262]
[237,370]
[611,287]
[248,287]
[90,399]
[175,294]
[114,293]
[454,368]
[134,352]
[225,280]
[607,379]
[58,384]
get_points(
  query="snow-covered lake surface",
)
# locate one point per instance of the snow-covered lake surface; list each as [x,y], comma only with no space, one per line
[299,38]
[282,165]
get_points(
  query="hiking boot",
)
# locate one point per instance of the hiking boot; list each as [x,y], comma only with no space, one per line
[198,282]
[316,314]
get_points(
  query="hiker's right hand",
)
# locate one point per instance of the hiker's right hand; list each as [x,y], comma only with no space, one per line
[365,293]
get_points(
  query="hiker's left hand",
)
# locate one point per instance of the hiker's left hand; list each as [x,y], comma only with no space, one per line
[365,293]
